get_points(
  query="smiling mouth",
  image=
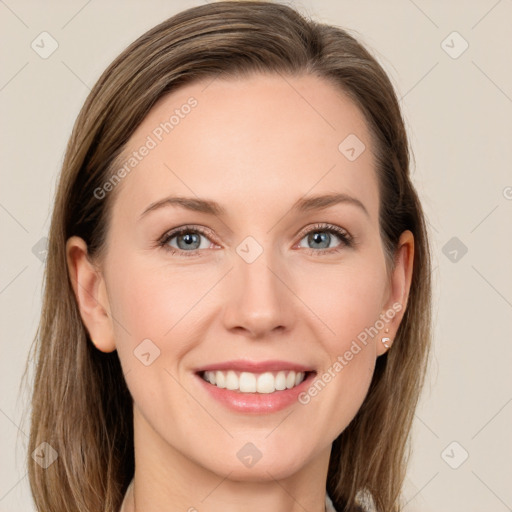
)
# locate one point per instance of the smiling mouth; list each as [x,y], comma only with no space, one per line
[248,382]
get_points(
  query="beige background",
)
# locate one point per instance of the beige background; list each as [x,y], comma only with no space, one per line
[459,116]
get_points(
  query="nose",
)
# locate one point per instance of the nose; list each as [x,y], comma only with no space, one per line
[259,302]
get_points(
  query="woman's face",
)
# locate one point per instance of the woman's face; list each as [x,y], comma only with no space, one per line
[279,268]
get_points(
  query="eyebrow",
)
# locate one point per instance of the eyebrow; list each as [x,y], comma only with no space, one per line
[304,204]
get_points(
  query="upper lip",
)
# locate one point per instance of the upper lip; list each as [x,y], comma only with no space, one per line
[245,365]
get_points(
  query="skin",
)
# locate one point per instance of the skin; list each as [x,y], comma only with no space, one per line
[254,145]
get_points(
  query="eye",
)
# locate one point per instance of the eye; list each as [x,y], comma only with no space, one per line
[185,239]
[320,239]
[326,238]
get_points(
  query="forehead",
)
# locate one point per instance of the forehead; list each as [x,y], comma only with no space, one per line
[250,141]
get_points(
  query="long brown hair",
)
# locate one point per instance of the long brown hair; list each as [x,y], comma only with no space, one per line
[80,404]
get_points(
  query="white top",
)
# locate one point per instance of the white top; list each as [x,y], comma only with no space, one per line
[328,504]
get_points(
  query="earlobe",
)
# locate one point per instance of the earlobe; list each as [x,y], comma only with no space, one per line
[400,284]
[91,295]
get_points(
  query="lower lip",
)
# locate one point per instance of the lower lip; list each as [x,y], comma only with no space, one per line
[257,403]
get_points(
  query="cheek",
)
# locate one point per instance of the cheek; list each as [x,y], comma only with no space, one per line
[347,299]
[150,307]
[348,306]
[151,302]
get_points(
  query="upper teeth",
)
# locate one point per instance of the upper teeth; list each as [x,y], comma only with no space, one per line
[247,382]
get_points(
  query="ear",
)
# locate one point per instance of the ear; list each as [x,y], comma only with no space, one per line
[399,286]
[91,295]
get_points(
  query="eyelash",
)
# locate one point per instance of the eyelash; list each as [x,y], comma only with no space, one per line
[346,239]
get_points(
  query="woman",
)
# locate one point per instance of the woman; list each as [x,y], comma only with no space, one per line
[237,296]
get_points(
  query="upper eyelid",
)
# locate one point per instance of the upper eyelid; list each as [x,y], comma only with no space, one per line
[326,226]
[171,233]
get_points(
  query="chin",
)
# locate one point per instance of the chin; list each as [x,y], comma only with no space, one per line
[250,464]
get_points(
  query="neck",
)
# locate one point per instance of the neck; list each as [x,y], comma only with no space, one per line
[175,483]
[253,500]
